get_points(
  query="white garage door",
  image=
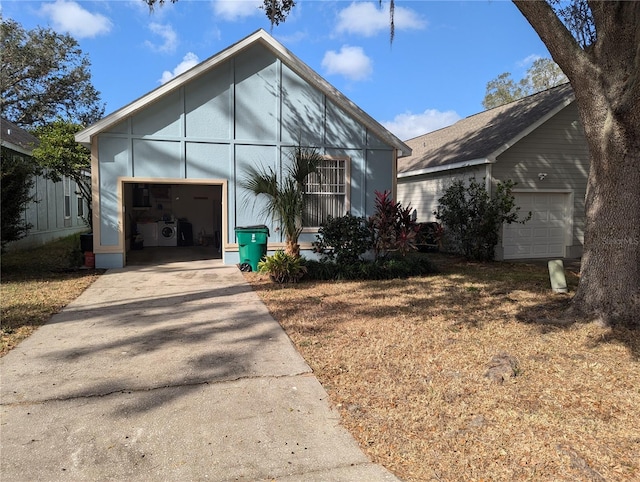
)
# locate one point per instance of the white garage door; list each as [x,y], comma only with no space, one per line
[543,236]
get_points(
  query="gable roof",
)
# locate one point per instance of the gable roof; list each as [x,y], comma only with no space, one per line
[16,138]
[282,53]
[480,138]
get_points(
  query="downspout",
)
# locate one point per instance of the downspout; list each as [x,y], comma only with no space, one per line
[488,176]
[394,175]
[498,251]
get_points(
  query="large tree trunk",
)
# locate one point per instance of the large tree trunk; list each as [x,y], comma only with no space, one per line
[606,81]
[610,275]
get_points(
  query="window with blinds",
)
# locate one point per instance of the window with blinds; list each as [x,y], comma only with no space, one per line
[326,192]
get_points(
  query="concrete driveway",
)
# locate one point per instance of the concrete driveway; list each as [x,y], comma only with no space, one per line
[166,373]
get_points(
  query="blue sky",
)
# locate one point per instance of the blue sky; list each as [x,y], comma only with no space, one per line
[434,73]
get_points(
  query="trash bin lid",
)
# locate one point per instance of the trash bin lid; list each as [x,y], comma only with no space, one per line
[259,228]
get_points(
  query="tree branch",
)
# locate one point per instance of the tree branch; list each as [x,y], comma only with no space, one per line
[562,45]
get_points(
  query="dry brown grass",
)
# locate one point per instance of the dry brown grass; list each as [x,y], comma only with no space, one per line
[35,284]
[405,360]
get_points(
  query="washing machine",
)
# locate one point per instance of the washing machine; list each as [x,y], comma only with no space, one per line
[167,233]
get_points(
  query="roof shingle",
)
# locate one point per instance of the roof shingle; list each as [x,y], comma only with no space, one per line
[13,136]
[483,135]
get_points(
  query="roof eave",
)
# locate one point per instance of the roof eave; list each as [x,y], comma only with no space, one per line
[16,147]
[447,167]
[492,156]
[308,74]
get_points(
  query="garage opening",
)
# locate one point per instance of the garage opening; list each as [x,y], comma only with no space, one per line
[167,221]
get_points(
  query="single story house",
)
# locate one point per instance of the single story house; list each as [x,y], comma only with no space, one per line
[56,210]
[172,162]
[538,142]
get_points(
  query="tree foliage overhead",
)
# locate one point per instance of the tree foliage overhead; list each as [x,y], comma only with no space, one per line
[576,16]
[61,156]
[276,11]
[43,76]
[543,74]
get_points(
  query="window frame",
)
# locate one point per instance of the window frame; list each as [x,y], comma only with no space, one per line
[66,188]
[347,189]
[80,203]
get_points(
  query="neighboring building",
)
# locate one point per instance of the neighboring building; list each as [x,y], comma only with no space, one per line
[172,160]
[57,210]
[537,141]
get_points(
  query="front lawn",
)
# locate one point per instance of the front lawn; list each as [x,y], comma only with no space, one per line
[406,364]
[35,284]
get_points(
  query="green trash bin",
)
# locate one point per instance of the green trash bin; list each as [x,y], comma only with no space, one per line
[252,244]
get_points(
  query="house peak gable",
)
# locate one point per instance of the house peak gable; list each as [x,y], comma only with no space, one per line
[481,137]
[282,53]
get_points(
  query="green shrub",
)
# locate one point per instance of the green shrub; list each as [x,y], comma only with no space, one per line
[283,267]
[473,218]
[343,239]
[322,270]
[389,268]
[17,174]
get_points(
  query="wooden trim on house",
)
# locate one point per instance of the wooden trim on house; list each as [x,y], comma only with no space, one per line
[95,197]
[120,247]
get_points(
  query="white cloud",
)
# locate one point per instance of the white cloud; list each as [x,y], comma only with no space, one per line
[188,61]
[294,38]
[168,35]
[529,60]
[69,16]
[232,10]
[407,126]
[351,62]
[365,18]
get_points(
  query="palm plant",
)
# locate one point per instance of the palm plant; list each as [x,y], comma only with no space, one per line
[286,197]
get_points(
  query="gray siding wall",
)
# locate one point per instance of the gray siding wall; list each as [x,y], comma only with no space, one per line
[250,109]
[46,214]
[559,149]
[422,192]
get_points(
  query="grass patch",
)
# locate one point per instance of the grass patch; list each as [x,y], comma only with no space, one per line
[37,283]
[404,361]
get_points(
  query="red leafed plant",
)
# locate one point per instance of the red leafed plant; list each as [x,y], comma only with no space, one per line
[393,227]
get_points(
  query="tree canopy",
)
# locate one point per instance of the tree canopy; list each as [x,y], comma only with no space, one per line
[44,76]
[543,74]
[61,156]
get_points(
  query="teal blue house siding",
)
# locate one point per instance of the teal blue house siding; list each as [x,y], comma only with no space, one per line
[248,105]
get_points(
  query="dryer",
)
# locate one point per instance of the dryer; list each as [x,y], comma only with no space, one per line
[167,233]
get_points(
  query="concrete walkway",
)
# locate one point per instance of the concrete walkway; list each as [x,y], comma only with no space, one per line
[174,372]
